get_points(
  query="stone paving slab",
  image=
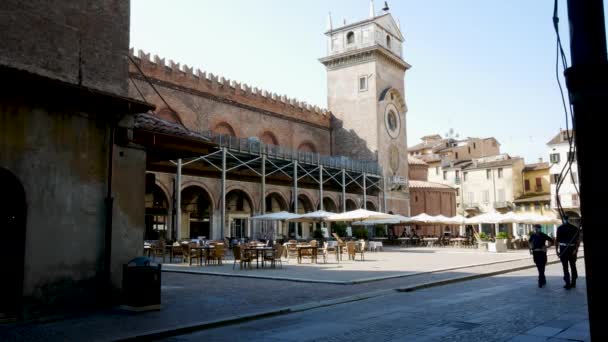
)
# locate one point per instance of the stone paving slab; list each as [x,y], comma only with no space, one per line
[511,306]
[391,263]
[192,299]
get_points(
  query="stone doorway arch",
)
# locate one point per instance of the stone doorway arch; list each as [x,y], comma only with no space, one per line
[13,215]
[196,213]
[157,214]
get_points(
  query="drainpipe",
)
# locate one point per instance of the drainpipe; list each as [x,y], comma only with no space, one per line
[109,202]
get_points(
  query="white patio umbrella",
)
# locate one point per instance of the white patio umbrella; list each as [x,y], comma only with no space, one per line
[511,217]
[543,219]
[458,219]
[491,217]
[315,216]
[398,220]
[278,216]
[423,218]
[359,215]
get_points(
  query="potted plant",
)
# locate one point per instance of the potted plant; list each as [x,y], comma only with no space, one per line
[482,241]
[501,241]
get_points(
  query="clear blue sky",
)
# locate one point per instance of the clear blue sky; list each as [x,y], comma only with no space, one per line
[483,68]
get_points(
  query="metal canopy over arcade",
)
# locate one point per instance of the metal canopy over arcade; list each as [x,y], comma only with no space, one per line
[248,159]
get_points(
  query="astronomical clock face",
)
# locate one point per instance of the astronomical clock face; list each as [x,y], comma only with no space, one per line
[393,154]
[392,121]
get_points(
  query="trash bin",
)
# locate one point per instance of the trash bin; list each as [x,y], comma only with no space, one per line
[141,285]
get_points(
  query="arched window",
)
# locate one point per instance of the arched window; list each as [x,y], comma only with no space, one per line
[350,38]
[388,41]
[307,147]
[224,128]
[269,138]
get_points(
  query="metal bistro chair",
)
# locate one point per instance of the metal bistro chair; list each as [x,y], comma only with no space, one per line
[275,256]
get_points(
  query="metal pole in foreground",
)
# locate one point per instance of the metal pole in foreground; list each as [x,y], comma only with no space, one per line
[364,191]
[343,190]
[223,199]
[295,194]
[178,200]
[587,81]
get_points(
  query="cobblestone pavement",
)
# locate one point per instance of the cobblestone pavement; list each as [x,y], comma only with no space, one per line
[508,307]
[194,298]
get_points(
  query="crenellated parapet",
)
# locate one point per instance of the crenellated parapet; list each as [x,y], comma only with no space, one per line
[185,77]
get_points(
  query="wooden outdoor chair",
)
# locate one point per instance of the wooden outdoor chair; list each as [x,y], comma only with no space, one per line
[351,248]
[360,248]
[275,256]
[158,250]
[191,253]
[241,256]
[292,251]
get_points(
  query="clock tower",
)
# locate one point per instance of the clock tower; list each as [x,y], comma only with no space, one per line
[365,93]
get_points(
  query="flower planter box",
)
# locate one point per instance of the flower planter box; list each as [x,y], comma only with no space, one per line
[500,246]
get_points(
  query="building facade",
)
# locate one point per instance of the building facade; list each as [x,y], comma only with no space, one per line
[214,106]
[70,208]
[560,151]
[430,198]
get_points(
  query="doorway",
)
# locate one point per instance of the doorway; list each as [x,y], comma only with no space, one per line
[13,212]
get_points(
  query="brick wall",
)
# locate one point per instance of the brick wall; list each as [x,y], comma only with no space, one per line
[80,42]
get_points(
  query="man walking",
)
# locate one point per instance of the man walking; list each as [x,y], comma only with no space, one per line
[538,249]
[568,241]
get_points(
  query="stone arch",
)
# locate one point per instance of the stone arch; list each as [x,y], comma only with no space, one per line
[371,205]
[238,187]
[329,204]
[156,214]
[391,94]
[188,183]
[307,146]
[13,219]
[197,212]
[276,197]
[269,138]
[351,204]
[239,207]
[305,203]
[350,37]
[225,129]
[165,189]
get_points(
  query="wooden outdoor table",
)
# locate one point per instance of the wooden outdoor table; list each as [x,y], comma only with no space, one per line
[258,251]
[313,253]
[430,241]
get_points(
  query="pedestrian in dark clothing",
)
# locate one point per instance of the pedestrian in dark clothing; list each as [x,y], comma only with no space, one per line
[538,249]
[567,243]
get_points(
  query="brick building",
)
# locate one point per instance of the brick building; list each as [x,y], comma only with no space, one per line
[365,125]
[429,197]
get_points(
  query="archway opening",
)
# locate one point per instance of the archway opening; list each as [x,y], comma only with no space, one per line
[371,206]
[329,205]
[13,214]
[351,205]
[157,214]
[196,213]
[272,229]
[304,206]
[239,209]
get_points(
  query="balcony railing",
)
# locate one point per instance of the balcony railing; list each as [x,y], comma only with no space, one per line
[457,180]
[503,205]
[472,206]
[396,182]
[256,147]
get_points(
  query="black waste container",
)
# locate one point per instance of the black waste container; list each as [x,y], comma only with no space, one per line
[141,285]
